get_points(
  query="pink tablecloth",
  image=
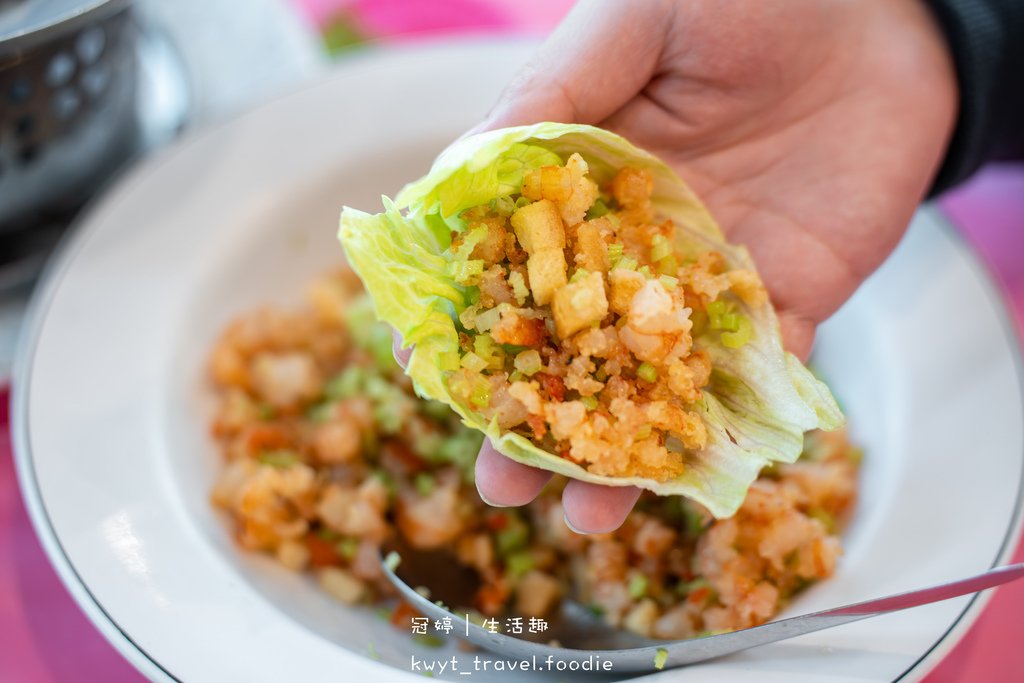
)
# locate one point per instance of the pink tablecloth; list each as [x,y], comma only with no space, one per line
[44,638]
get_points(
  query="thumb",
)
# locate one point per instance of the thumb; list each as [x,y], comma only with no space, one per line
[600,57]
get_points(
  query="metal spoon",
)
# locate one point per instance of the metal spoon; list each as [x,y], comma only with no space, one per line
[581,636]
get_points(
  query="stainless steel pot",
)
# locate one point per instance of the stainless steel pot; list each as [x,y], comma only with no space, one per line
[67,102]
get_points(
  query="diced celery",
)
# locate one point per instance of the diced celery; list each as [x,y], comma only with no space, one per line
[661,248]
[473,362]
[488,319]
[346,385]
[513,537]
[522,201]
[642,433]
[626,263]
[347,547]
[528,362]
[503,206]
[424,483]
[660,657]
[578,275]
[490,351]
[722,316]
[280,459]
[742,334]
[647,372]
[637,586]
[517,564]
[646,272]
[597,209]
[669,282]
[481,394]
[320,412]
[614,252]
[589,401]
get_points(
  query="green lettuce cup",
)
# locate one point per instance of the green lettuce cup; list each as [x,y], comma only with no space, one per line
[571,298]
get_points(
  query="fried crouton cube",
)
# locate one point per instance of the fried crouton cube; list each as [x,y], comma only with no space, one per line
[624,284]
[539,227]
[579,304]
[545,270]
[548,182]
[591,249]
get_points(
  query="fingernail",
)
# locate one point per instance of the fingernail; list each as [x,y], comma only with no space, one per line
[573,529]
[488,502]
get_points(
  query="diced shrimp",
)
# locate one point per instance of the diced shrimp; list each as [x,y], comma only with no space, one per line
[536,594]
[654,311]
[491,249]
[515,328]
[337,442]
[632,187]
[286,380]
[430,521]
[355,511]
[494,288]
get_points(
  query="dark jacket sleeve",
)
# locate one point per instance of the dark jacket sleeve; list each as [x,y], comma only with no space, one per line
[986,38]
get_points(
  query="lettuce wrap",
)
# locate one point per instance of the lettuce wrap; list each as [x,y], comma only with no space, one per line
[627,223]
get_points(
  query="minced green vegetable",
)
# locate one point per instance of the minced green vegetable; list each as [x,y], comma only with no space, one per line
[279,459]
[637,586]
[519,563]
[424,483]
[392,560]
[647,372]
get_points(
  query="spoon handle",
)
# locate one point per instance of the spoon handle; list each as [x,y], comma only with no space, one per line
[923,596]
[690,651]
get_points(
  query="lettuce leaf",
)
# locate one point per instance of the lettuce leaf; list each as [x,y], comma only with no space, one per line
[761,399]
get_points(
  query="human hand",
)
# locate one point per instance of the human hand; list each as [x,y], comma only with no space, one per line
[811,128]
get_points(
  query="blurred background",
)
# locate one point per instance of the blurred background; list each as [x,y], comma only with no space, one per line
[89,87]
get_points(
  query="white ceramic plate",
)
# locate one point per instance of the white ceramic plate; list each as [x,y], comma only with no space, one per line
[111,408]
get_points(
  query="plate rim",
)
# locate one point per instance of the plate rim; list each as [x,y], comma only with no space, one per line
[83,226]
[1013,538]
